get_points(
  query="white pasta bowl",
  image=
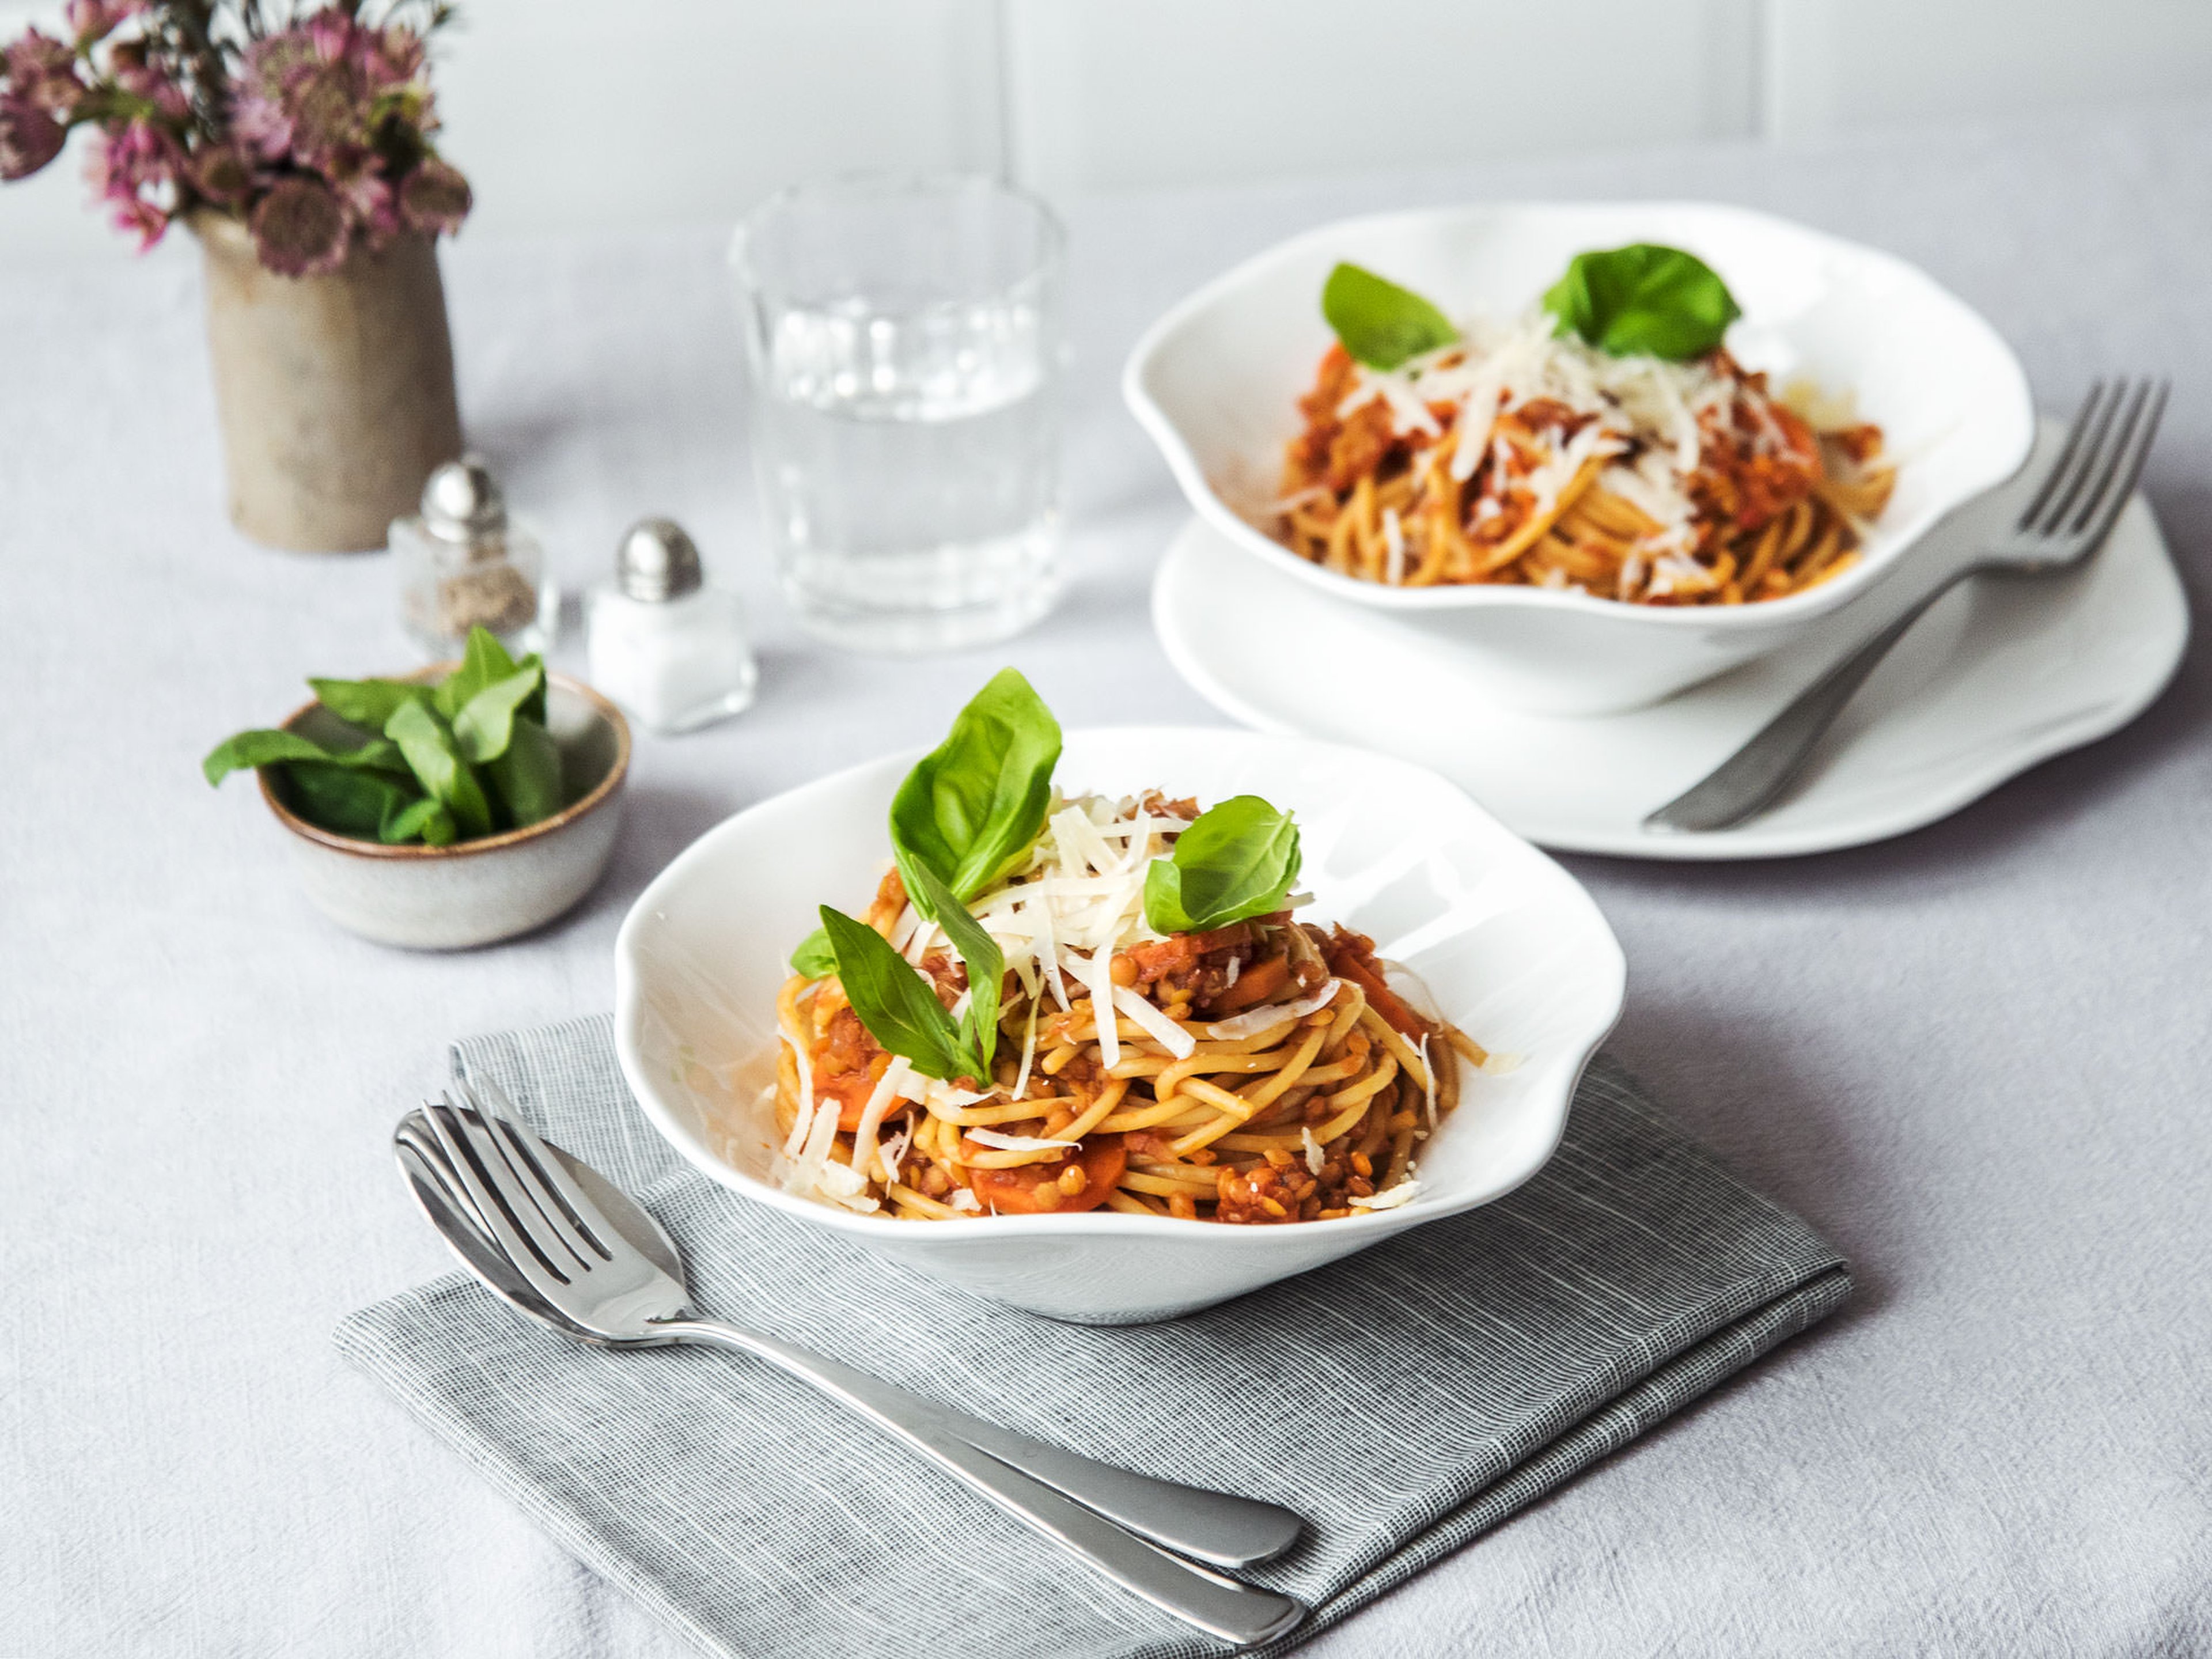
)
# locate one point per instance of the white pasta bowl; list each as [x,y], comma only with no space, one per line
[1507,942]
[1215,383]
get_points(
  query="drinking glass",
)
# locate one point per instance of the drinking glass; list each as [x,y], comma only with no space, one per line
[903,332]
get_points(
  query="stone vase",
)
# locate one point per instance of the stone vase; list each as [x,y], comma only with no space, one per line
[335,392]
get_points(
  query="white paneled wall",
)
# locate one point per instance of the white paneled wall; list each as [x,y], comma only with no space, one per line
[1105,94]
[1837,65]
[614,111]
[630,110]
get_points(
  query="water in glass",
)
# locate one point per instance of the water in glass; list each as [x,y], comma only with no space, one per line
[907,447]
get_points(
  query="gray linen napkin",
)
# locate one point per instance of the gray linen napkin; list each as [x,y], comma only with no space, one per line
[1404,1400]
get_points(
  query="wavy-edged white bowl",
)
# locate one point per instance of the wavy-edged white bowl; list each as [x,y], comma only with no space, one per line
[1508,942]
[1215,383]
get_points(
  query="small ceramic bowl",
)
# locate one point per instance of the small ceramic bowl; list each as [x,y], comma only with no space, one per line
[473,892]
[1508,943]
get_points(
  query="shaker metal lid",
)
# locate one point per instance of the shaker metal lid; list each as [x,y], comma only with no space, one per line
[462,500]
[657,561]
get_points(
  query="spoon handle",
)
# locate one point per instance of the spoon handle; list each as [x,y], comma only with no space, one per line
[1092,1509]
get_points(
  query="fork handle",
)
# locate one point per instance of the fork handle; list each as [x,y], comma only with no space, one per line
[1065,1496]
[1209,1526]
[1750,780]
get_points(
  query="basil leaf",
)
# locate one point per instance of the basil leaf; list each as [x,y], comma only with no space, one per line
[368,703]
[421,819]
[483,659]
[973,806]
[1643,300]
[525,774]
[1381,323]
[533,706]
[898,1005]
[985,965]
[1237,860]
[347,800]
[435,759]
[486,721]
[272,748]
[814,958]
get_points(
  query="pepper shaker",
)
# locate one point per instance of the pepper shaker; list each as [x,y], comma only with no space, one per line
[666,646]
[464,562]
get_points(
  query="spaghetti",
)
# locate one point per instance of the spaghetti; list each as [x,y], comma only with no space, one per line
[1521,456]
[1259,1072]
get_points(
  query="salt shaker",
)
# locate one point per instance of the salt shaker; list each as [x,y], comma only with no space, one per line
[464,562]
[665,646]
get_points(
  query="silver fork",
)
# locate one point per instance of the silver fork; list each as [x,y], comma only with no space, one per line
[2066,517]
[563,1244]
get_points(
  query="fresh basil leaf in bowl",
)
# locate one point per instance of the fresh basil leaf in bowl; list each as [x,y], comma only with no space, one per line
[483,661]
[486,721]
[985,965]
[1381,323]
[348,799]
[421,819]
[813,958]
[898,1005]
[973,806]
[272,747]
[1238,860]
[526,774]
[1643,300]
[368,703]
[461,759]
[434,755]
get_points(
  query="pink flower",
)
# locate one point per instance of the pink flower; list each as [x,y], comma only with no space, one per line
[128,64]
[41,71]
[136,171]
[30,138]
[140,219]
[300,229]
[221,174]
[95,20]
[435,198]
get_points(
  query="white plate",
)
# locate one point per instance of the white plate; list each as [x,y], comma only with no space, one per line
[2000,675]
[1509,944]
[1215,383]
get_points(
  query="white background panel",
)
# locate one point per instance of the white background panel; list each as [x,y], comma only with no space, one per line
[1838,66]
[567,112]
[1113,93]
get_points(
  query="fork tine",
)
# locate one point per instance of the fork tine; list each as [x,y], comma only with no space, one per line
[551,1186]
[2087,463]
[543,1225]
[507,1233]
[2059,468]
[2111,495]
[415,1136]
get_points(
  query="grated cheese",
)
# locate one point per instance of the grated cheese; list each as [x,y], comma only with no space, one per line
[1006,1143]
[1627,404]
[1162,1030]
[1401,1193]
[1261,1019]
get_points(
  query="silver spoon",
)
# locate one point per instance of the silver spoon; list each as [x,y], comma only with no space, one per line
[563,1245]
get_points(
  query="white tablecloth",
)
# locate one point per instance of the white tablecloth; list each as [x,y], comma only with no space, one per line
[1975,1057]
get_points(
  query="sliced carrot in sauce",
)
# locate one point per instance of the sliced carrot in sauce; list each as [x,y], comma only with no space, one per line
[1347,960]
[1262,981]
[1034,1189]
